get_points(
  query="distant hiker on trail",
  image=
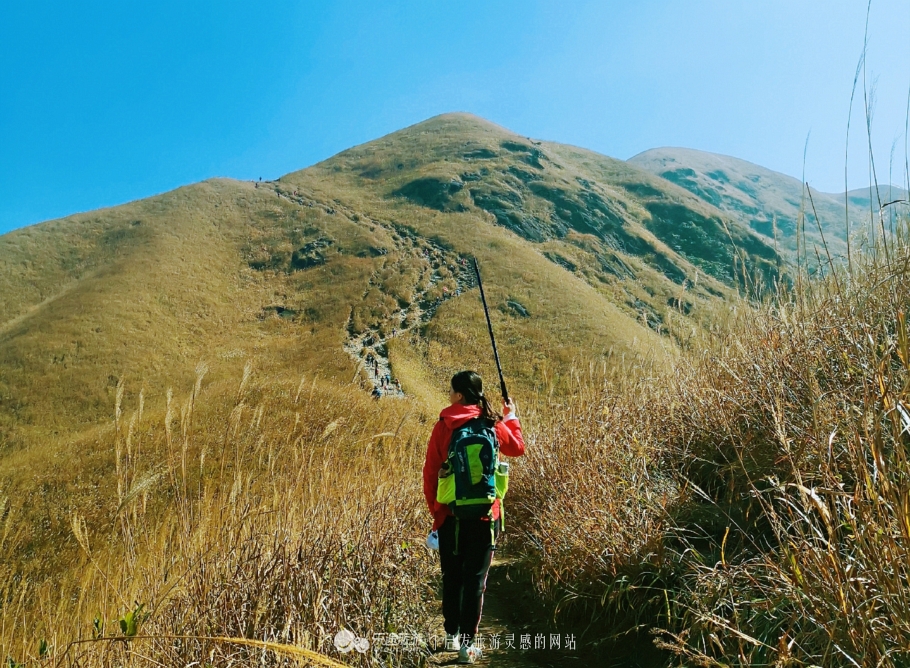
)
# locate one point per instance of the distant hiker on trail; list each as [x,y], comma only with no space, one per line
[464,482]
[376,393]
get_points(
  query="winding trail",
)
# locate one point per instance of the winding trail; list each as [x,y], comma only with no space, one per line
[369,349]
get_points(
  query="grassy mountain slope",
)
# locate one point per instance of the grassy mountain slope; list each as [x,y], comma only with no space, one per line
[765,200]
[868,201]
[581,251]
[139,292]
[630,236]
[585,259]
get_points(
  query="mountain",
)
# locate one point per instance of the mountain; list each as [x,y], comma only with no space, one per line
[583,255]
[765,200]
[870,199]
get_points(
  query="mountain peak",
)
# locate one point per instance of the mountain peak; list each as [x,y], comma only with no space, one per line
[458,120]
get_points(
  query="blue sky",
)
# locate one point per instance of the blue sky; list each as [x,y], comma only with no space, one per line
[105,102]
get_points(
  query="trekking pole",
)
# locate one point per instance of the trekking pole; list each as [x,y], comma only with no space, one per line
[486,312]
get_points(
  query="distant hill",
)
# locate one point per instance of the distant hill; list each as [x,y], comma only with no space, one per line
[584,256]
[763,199]
[867,199]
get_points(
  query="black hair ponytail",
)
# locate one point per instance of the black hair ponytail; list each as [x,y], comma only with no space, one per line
[470,385]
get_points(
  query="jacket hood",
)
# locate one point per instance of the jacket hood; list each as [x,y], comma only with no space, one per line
[457,414]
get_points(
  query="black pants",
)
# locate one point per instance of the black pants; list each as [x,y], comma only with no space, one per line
[464,571]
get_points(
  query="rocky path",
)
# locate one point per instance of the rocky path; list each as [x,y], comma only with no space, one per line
[370,350]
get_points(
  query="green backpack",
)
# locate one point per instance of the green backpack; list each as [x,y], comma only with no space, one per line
[469,481]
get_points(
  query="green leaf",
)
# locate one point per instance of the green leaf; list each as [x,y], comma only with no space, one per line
[129,623]
[42,648]
[97,627]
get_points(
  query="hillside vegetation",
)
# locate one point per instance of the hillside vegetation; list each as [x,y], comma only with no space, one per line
[190,452]
[775,205]
[754,509]
[747,503]
[585,258]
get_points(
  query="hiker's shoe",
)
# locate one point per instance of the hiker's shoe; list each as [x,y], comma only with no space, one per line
[469,653]
[453,642]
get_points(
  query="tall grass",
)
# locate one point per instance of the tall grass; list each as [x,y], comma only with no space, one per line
[820,574]
[284,517]
[752,503]
[748,503]
[586,506]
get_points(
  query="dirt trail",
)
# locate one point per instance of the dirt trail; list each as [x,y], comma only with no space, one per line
[369,348]
[513,632]
[513,619]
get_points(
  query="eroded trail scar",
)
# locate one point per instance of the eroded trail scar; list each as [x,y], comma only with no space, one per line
[438,266]
[416,276]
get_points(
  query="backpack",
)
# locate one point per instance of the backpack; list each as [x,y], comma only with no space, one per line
[467,479]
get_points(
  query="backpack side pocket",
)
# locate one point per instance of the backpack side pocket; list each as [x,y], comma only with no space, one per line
[501,479]
[445,489]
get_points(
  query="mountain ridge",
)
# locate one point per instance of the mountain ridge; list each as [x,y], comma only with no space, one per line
[584,252]
[769,202]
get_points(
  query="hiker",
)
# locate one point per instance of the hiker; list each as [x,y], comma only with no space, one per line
[376,393]
[466,544]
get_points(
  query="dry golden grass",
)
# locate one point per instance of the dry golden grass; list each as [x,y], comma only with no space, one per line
[283,516]
[751,501]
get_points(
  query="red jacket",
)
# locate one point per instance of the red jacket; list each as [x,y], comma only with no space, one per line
[511,444]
